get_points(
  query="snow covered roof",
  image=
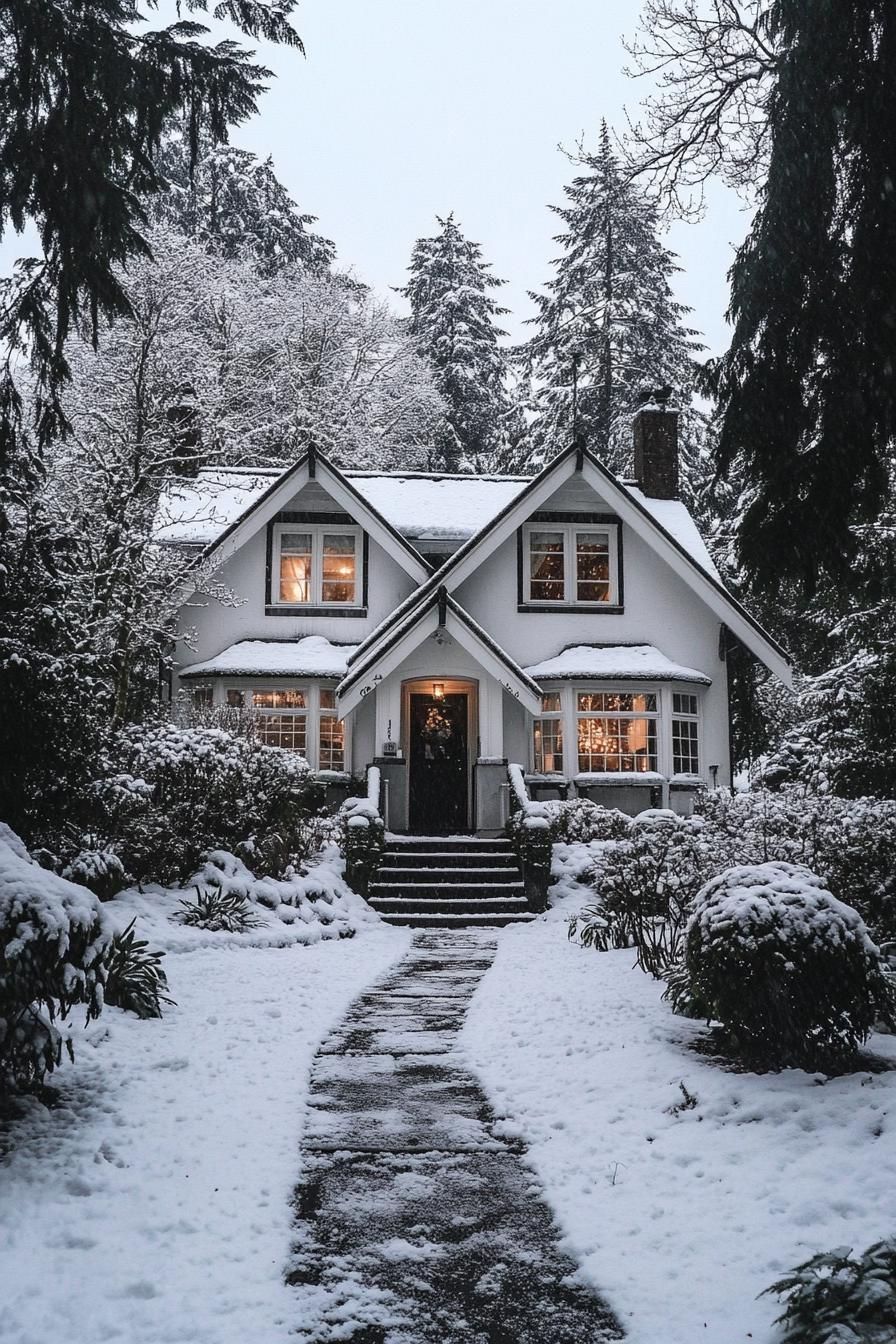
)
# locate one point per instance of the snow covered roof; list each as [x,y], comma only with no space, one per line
[312,656]
[673,515]
[616,662]
[419,506]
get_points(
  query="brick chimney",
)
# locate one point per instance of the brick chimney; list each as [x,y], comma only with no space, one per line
[655,428]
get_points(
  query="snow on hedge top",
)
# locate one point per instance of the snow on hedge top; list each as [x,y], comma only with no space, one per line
[313,656]
[633,662]
[418,506]
[777,904]
[37,906]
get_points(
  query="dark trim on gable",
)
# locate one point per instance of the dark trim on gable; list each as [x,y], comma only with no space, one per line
[433,600]
[301,610]
[574,609]
[549,516]
[308,516]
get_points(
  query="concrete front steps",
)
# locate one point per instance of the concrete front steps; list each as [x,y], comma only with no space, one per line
[452,882]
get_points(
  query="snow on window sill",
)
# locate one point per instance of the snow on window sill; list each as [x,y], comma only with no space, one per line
[641,778]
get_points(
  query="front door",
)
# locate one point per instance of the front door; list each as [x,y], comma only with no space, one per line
[438,784]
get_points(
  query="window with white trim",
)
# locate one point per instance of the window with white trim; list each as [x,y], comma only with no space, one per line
[574,564]
[616,732]
[302,719]
[685,734]
[281,718]
[316,566]
[548,735]
[331,734]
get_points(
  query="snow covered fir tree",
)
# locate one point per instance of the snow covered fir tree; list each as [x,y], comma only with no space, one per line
[447,781]
[453,321]
[609,312]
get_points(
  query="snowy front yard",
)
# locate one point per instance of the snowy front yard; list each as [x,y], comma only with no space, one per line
[680,1216]
[154,1203]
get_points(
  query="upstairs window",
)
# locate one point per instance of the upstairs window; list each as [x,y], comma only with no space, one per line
[570,565]
[316,566]
[616,732]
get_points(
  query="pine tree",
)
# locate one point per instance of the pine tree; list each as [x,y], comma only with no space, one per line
[610,305]
[453,321]
[808,386]
[235,205]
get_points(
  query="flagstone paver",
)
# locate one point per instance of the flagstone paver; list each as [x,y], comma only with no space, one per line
[417,1220]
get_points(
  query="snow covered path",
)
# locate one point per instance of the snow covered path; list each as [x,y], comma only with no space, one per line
[682,1207]
[419,1224]
[153,1205]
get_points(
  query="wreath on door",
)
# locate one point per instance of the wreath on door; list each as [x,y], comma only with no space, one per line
[437,726]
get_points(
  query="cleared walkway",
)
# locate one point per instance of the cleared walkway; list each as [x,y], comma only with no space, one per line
[417,1222]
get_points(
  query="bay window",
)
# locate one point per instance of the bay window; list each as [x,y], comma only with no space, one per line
[626,731]
[331,735]
[685,735]
[549,735]
[616,732]
[316,566]
[303,720]
[574,564]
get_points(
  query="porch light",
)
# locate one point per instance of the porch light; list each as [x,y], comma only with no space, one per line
[438,690]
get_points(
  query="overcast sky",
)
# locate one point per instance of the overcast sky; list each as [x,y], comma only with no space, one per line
[404,109]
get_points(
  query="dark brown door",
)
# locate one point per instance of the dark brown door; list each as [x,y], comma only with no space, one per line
[437,804]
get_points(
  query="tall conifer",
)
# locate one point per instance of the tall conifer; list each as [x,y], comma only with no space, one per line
[611,304]
[453,319]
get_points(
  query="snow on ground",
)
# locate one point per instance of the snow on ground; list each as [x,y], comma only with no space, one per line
[153,1204]
[682,1218]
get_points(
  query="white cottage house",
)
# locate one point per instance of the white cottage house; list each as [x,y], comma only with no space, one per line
[442,626]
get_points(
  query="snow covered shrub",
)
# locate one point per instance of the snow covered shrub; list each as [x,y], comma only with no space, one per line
[219,911]
[100,870]
[134,976]
[850,842]
[579,821]
[173,792]
[646,884]
[838,1298]
[788,970]
[53,944]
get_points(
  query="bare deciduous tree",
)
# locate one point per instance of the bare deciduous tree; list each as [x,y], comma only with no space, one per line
[713,62]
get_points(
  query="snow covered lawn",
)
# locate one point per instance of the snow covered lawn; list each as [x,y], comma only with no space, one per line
[153,1204]
[682,1218]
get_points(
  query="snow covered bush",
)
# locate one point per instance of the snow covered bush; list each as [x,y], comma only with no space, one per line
[173,792]
[789,971]
[135,980]
[839,1298]
[54,941]
[577,820]
[850,842]
[100,870]
[645,884]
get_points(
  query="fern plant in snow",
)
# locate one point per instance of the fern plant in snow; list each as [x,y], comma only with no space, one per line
[54,941]
[790,972]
